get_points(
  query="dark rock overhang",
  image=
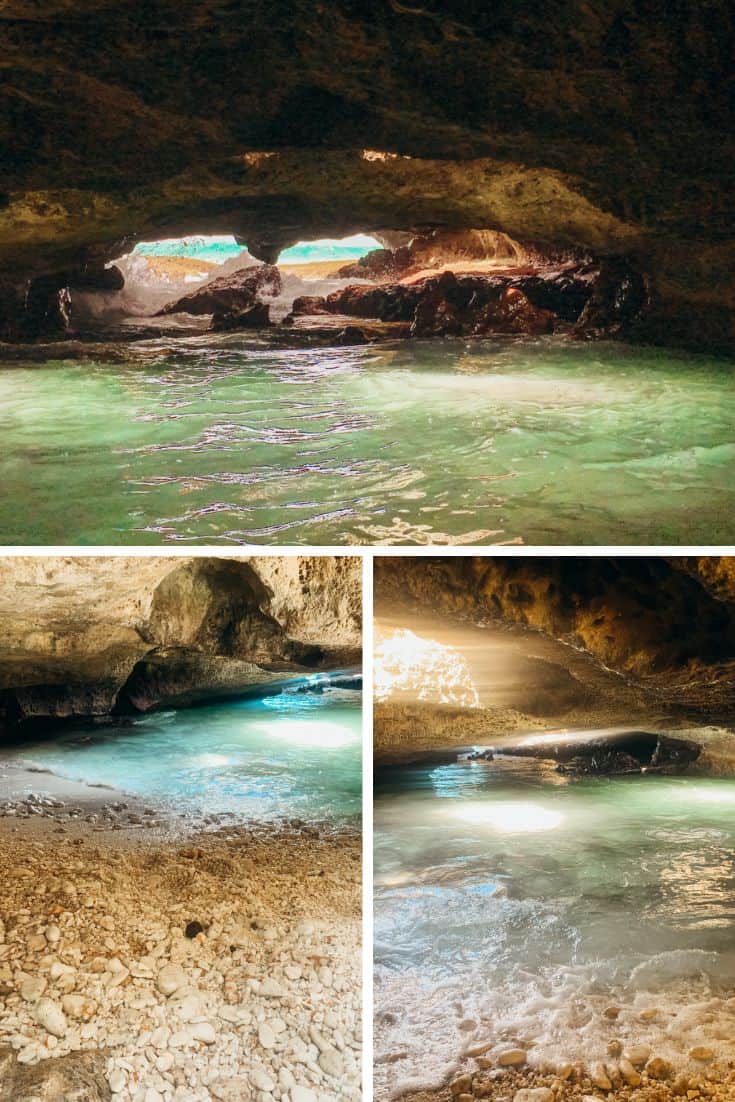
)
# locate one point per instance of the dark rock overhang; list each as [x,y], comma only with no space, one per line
[601,127]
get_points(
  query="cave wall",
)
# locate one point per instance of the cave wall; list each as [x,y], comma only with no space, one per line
[89,636]
[605,126]
[639,616]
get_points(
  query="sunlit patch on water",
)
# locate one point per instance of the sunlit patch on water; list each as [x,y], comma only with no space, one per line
[513,910]
[291,755]
[228,439]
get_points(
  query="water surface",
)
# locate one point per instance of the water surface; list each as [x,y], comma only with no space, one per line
[514,905]
[230,440]
[289,755]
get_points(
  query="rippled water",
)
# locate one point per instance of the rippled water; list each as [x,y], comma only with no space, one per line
[514,905]
[231,440]
[287,755]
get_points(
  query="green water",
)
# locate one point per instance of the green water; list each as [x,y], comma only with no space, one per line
[514,905]
[285,755]
[230,440]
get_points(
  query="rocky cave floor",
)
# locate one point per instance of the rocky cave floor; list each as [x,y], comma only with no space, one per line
[575,1085]
[142,965]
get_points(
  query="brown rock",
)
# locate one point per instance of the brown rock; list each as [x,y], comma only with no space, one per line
[230,293]
[657,1068]
[254,317]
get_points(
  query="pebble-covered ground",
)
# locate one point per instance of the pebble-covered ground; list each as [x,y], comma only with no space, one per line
[635,1076]
[224,967]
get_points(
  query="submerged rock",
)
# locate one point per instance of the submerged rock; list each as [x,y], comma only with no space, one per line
[233,293]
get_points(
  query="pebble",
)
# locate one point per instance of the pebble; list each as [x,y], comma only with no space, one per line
[266,1036]
[32,988]
[658,1068]
[637,1054]
[261,1080]
[512,1058]
[534,1094]
[461,1085]
[271,989]
[302,1094]
[117,1081]
[599,1077]
[50,1017]
[203,1031]
[629,1074]
[702,1054]
[171,978]
[331,1063]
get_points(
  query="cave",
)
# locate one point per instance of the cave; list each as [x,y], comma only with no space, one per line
[552,286]
[553,791]
[180,802]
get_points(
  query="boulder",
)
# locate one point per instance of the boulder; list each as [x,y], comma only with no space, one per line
[617,302]
[513,314]
[309,305]
[231,293]
[254,317]
[616,752]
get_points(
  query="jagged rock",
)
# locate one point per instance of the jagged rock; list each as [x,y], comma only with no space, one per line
[619,752]
[379,264]
[101,279]
[116,636]
[450,305]
[513,314]
[617,302]
[351,334]
[46,309]
[254,317]
[233,293]
[307,305]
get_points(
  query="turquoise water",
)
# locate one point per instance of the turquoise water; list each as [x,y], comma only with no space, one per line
[219,249]
[231,439]
[527,903]
[292,755]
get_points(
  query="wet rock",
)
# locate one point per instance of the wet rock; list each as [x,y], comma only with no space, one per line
[599,1077]
[629,1074]
[637,1055]
[233,293]
[658,1068]
[97,280]
[254,317]
[513,314]
[46,309]
[351,334]
[308,305]
[618,301]
[461,1085]
[534,1094]
[702,1054]
[618,752]
[379,264]
[512,1058]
